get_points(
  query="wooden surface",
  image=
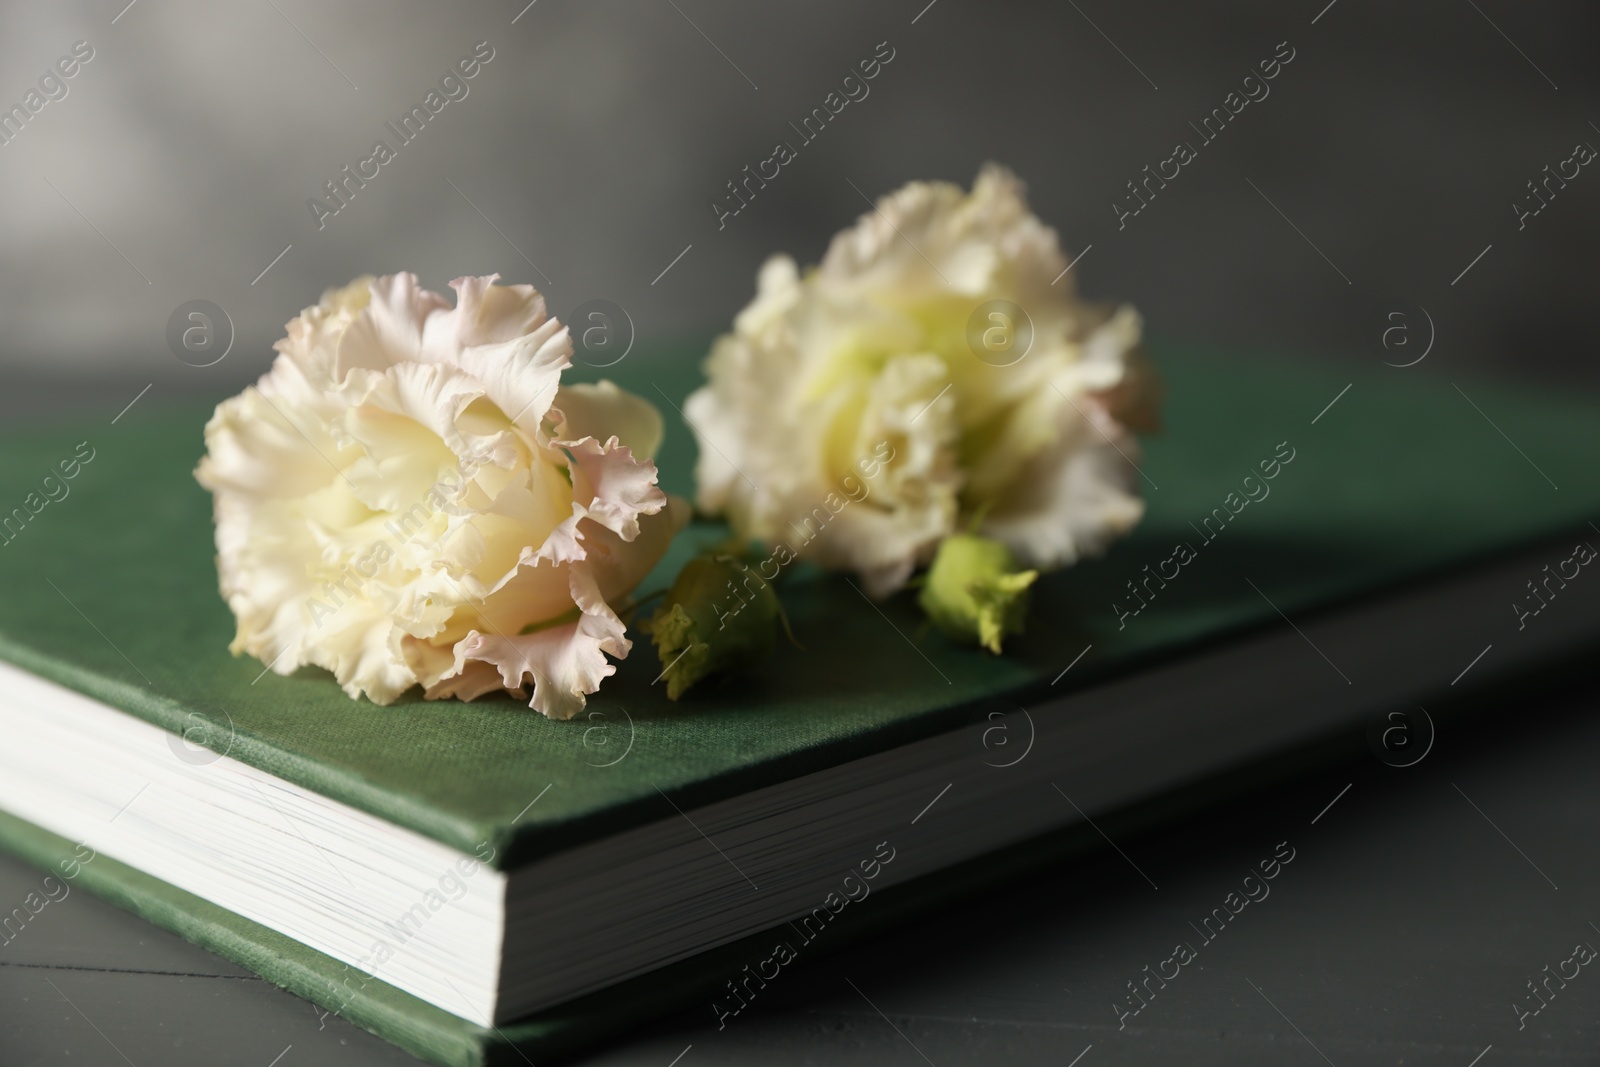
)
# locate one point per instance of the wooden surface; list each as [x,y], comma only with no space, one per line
[1416,908]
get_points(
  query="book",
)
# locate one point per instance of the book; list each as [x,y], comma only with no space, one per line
[471,881]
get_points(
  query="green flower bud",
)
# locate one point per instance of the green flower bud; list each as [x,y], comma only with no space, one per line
[975,592]
[719,616]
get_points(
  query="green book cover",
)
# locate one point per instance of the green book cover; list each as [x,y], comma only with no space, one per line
[1382,476]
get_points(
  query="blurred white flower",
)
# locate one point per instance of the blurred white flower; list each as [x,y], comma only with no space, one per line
[942,324]
[411,496]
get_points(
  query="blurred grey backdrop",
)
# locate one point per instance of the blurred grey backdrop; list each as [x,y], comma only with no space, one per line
[584,157]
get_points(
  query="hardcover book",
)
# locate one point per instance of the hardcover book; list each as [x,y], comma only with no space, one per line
[476,882]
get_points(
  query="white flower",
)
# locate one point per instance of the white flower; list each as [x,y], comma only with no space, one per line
[411,496]
[872,353]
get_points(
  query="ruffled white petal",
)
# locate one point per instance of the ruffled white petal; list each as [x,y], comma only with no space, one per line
[477,677]
[612,487]
[492,314]
[389,330]
[564,663]
[602,410]
[361,647]
[879,349]
[1073,500]
[397,500]
[523,374]
[618,566]
[713,420]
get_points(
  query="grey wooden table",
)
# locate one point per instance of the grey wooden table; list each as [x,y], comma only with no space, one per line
[1419,905]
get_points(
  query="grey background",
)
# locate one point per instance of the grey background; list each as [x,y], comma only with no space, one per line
[594,141]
